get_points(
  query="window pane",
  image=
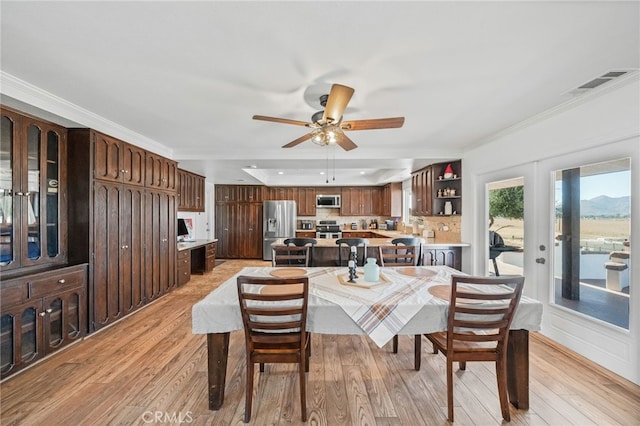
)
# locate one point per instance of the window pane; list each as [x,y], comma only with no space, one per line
[592,249]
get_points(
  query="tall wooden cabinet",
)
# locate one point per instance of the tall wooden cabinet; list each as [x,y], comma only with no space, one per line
[123,212]
[239,221]
[361,201]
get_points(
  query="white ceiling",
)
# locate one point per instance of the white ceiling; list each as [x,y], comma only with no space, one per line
[188,76]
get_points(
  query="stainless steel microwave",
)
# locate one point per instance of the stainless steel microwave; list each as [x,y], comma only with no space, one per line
[328,201]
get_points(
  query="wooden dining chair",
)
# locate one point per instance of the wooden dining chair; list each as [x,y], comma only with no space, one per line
[282,255]
[478,328]
[301,242]
[401,255]
[359,243]
[398,255]
[274,314]
[409,241]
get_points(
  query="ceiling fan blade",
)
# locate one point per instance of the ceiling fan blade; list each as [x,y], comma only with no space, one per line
[337,102]
[344,142]
[298,141]
[280,120]
[377,123]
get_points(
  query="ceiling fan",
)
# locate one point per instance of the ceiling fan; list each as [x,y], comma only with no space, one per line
[328,125]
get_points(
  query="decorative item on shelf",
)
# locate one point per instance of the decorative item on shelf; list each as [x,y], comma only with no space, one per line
[439,193]
[448,208]
[448,172]
[452,192]
[371,270]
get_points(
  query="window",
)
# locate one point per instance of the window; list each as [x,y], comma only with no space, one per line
[592,247]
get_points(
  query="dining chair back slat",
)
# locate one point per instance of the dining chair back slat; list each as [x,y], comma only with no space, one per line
[286,255]
[398,255]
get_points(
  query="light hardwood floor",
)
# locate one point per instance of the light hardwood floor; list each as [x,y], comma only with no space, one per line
[149,369]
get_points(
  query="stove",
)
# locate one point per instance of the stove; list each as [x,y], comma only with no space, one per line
[328,229]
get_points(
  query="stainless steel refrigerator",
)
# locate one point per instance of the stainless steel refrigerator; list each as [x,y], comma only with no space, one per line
[279,221]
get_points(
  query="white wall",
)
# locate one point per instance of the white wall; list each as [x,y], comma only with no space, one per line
[603,124]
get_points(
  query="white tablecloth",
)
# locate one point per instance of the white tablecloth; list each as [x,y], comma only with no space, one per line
[332,311]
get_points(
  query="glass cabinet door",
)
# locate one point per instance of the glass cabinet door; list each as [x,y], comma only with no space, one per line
[7,339]
[7,179]
[53,202]
[31,194]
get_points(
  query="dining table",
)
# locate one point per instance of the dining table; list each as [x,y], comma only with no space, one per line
[404,301]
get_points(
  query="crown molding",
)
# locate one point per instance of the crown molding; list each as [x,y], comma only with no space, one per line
[23,91]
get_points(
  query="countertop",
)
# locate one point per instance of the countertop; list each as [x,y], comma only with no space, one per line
[188,245]
[386,237]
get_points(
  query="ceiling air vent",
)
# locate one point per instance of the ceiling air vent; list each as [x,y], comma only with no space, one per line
[598,81]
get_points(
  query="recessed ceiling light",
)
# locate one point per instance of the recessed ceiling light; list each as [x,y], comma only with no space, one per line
[252,166]
[280,173]
[321,173]
[361,173]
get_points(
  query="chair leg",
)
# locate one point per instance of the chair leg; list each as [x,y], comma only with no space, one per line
[450,389]
[249,391]
[417,352]
[462,365]
[307,353]
[395,344]
[501,375]
[495,267]
[304,367]
[262,367]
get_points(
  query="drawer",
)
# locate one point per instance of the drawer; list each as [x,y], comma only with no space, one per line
[13,293]
[56,283]
[211,263]
[184,262]
[211,249]
[184,275]
[184,254]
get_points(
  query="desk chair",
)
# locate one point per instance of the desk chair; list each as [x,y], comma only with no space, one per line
[301,242]
[478,329]
[352,242]
[274,314]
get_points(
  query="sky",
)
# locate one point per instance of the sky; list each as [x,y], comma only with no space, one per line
[613,185]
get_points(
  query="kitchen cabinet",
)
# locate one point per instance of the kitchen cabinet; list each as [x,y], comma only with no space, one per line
[239,230]
[305,234]
[447,256]
[41,313]
[360,201]
[116,161]
[160,172]
[33,194]
[230,193]
[281,193]
[392,200]
[357,234]
[124,225]
[306,201]
[117,285]
[160,243]
[421,192]
[447,188]
[190,192]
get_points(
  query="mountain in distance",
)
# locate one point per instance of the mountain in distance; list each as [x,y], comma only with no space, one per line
[606,206]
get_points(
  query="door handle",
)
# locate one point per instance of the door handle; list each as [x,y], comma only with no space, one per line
[540,260]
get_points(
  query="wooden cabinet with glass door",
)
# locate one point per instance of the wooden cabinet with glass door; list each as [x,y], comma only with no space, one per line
[41,313]
[32,193]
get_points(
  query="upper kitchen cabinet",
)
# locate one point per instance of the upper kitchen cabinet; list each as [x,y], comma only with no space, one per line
[447,188]
[190,192]
[117,161]
[281,193]
[33,193]
[360,201]
[161,173]
[242,193]
[421,196]
[392,199]
[306,201]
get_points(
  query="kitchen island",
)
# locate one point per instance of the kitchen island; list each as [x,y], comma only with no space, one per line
[435,251]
